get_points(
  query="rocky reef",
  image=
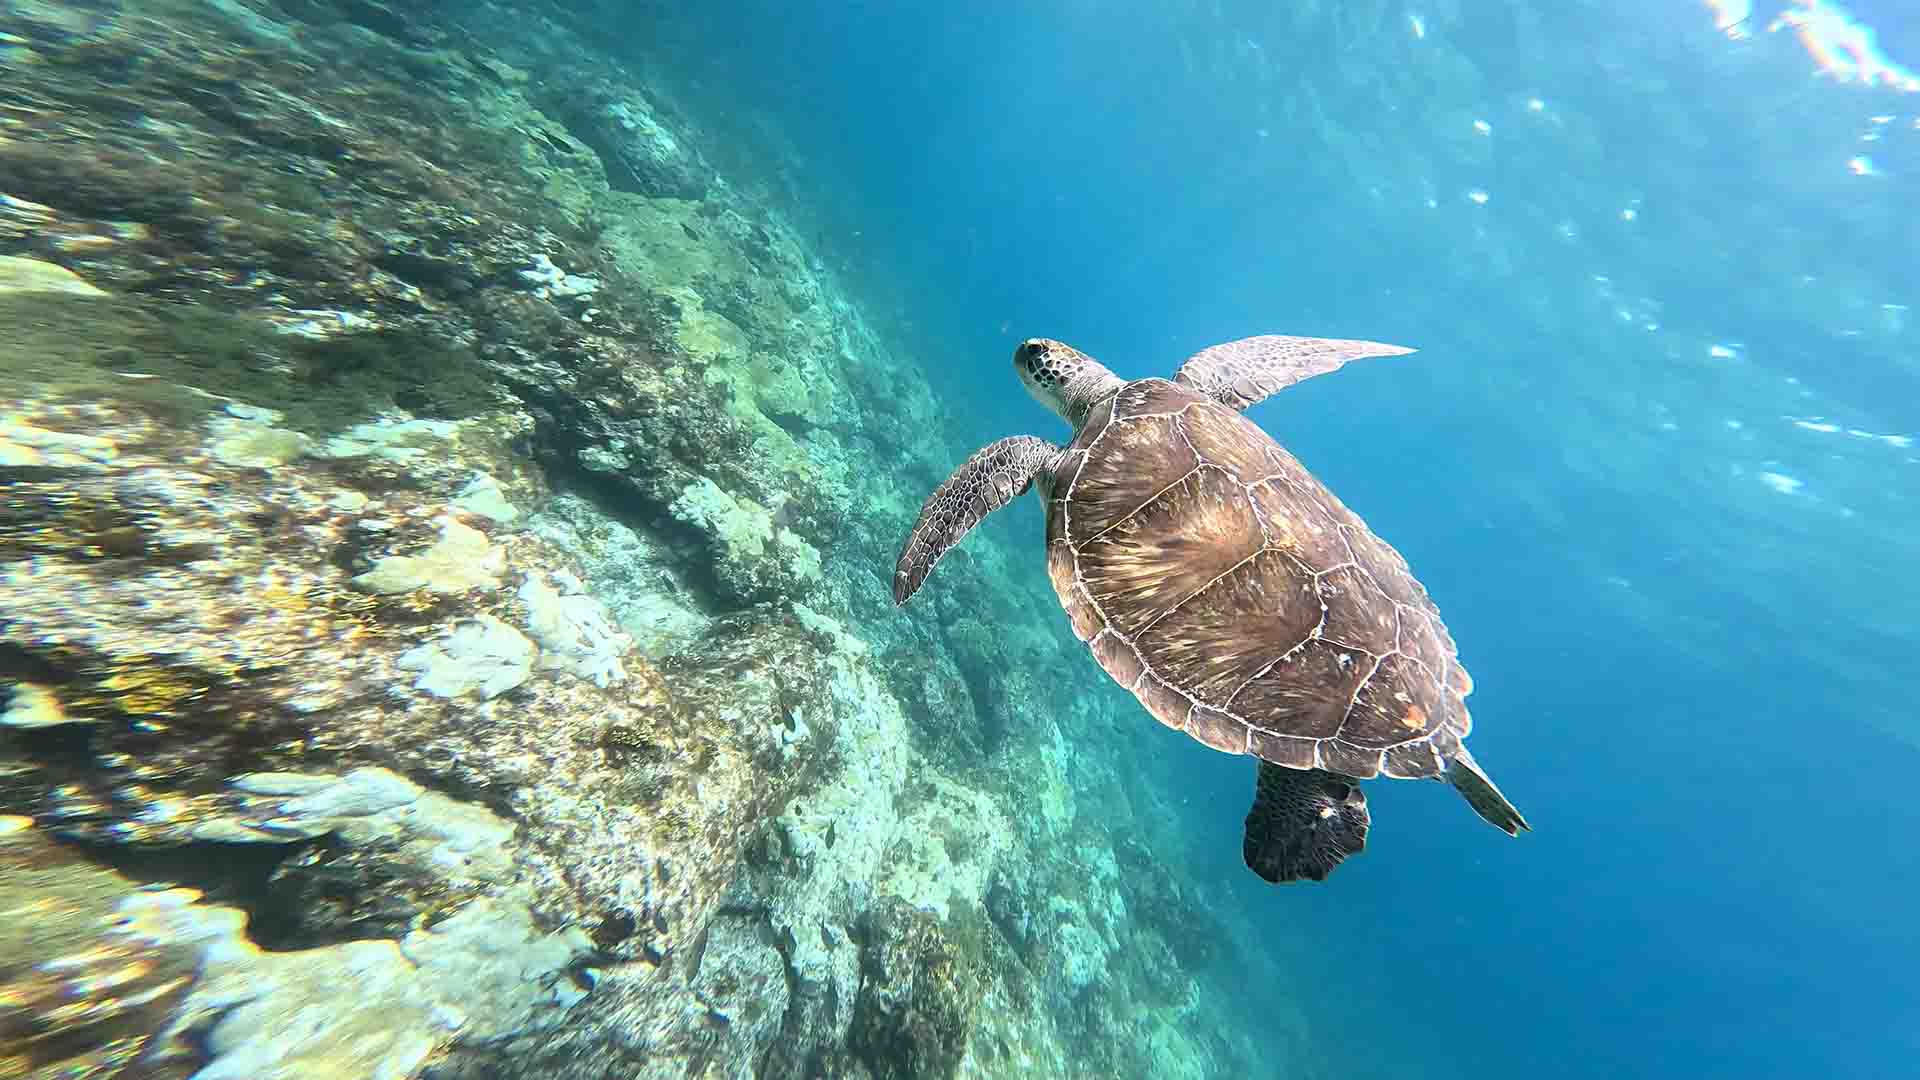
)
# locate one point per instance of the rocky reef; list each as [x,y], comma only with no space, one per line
[444,624]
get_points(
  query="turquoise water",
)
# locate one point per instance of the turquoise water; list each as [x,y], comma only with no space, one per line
[451,472]
[1653,461]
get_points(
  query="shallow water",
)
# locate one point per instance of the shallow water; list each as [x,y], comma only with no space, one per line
[1654,460]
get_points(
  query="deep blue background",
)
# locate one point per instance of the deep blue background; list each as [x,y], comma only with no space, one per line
[1699,688]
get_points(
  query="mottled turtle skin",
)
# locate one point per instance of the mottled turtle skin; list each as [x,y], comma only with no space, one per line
[1239,600]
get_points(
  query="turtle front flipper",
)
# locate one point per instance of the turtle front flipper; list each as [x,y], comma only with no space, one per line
[1303,823]
[990,479]
[1241,373]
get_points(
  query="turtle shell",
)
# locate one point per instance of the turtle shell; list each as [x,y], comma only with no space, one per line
[1239,600]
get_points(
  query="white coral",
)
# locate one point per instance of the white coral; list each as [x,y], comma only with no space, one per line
[550,282]
[745,531]
[573,629]
[483,655]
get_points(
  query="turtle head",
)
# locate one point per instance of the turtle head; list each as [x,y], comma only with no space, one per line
[1062,377]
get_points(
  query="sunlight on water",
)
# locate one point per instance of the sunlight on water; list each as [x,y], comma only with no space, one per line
[1827,427]
[1841,46]
[1731,16]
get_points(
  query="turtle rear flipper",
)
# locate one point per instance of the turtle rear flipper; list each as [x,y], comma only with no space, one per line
[993,477]
[1303,823]
[1475,786]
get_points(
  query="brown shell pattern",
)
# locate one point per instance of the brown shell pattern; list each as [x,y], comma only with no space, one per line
[1240,601]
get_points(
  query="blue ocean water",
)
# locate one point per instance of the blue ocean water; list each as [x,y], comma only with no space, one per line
[1654,460]
[440,635]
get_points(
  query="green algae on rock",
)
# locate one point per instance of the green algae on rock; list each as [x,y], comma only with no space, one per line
[388,285]
[65,344]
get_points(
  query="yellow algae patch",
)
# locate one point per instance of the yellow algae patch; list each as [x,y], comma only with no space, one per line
[255,444]
[462,559]
[704,333]
[34,706]
[18,274]
[24,445]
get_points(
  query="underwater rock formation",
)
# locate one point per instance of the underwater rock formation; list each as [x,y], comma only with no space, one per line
[918,994]
[442,598]
[152,982]
[640,154]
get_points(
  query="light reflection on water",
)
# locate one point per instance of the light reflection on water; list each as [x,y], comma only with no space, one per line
[1841,45]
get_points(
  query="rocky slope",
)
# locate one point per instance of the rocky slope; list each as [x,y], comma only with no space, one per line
[444,623]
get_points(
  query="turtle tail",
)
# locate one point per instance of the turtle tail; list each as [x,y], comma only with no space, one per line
[1303,824]
[1475,786]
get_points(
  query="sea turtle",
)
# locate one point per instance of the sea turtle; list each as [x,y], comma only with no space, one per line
[1228,590]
